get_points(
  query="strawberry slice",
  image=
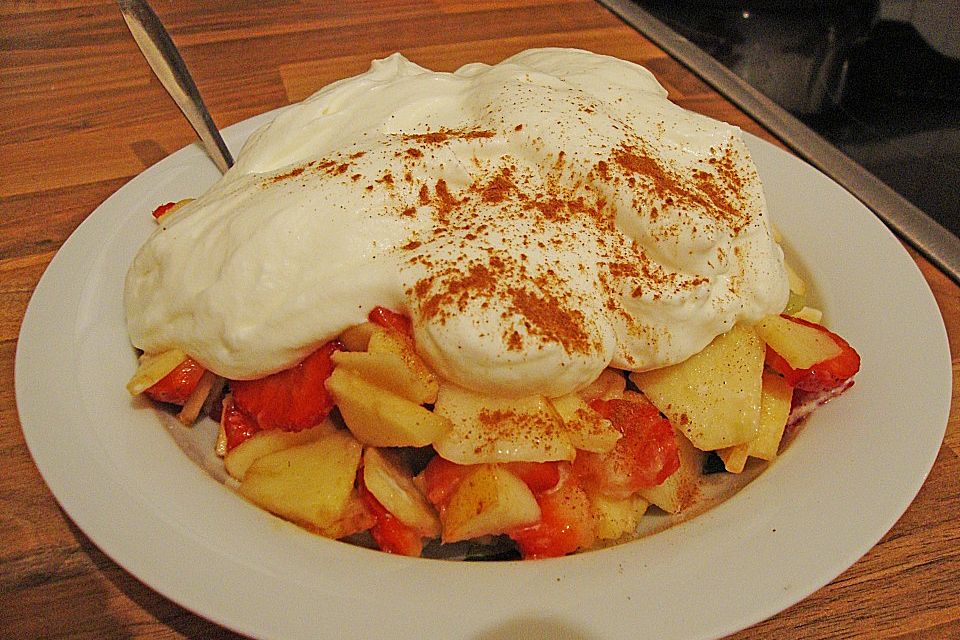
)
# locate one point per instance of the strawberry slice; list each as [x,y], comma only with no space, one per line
[163,209]
[177,385]
[160,212]
[645,456]
[391,320]
[237,425]
[826,375]
[567,523]
[441,478]
[293,399]
[539,476]
[390,534]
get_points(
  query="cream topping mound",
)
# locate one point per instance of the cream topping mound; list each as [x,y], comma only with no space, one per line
[539,220]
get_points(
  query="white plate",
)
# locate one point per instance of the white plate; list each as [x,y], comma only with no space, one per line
[841,485]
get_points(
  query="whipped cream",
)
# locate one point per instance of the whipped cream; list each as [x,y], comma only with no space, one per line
[539,220]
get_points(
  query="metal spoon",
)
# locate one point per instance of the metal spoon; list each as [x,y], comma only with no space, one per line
[165,60]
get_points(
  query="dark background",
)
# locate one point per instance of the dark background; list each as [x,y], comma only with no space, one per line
[858,72]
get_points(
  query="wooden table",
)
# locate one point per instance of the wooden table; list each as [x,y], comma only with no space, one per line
[82,115]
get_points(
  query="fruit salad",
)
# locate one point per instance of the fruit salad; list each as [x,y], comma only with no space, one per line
[507,310]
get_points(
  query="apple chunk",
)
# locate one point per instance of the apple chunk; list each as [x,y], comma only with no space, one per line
[618,517]
[682,487]
[262,443]
[609,384]
[774,412]
[389,371]
[489,429]
[586,429]
[735,458]
[309,484]
[357,337]
[395,490]
[152,368]
[379,418]
[491,500]
[802,346]
[385,341]
[713,397]
[387,359]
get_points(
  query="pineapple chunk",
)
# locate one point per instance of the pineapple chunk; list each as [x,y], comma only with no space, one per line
[396,491]
[713,397]
[681,489]
[586,429]
[152,368]
[238,460]
[490,500]
[618,517]
[389,371]
[388,360]
[379,418]
[488,429]
[309,484]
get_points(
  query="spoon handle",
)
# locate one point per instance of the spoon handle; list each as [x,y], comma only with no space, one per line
[165,60]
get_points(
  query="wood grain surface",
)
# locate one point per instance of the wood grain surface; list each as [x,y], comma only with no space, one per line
[82,115]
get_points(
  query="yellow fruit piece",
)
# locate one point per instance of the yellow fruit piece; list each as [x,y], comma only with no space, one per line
[586,429]
[735,458]
[797,284]
[389,371]
[491,500]
[810,314]
[357,338]
[394,488]
[610,384]
[489,429]
[774,412]
[379,418]
[239,459]
[800,345]
[220,448]
[383,341]
[354,519]
[681,489]
[712,397]
[618,517]
[152,368]
[309,484]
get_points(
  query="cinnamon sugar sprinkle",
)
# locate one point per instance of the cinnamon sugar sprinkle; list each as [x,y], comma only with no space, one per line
[703,191]
[506,427]
[559,206]
[445,135]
